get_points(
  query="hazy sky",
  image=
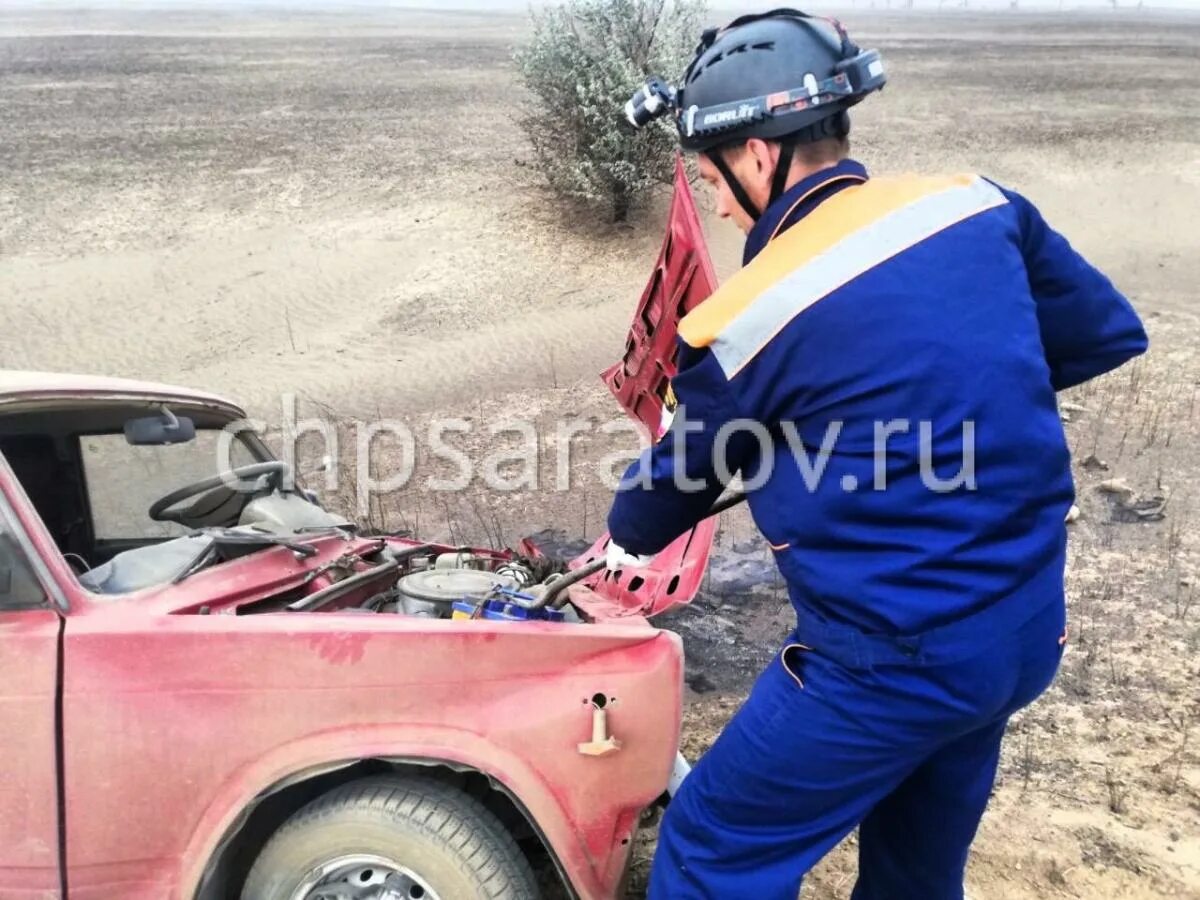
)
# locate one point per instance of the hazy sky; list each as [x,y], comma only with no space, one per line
[771,4]
[738,5]
[749,5]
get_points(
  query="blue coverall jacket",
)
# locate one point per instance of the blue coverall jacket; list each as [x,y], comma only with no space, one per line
[943,303]
[899,343]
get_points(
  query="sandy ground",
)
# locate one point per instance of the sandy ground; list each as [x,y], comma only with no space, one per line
[339,206]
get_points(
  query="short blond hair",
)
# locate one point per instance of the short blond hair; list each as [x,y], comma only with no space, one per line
[825,152]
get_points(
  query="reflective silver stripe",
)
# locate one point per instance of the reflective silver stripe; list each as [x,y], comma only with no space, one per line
[755,326]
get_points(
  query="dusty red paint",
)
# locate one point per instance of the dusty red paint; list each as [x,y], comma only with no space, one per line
[41,387]
[229,706]
[682,278]
[28,811]
[177,712]
[340,649]
[174,722]
[671,579]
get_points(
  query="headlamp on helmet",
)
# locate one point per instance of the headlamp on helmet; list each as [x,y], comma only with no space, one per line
[652,101]
[783,76]
[854,73]
[859,75]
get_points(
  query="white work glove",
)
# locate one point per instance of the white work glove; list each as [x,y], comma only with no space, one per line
[681,771]
[616,558]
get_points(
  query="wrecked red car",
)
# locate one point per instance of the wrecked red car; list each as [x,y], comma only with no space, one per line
[210,691]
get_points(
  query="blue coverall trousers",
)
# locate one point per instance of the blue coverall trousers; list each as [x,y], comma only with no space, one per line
[908,753]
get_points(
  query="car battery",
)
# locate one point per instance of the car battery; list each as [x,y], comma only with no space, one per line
[504,608]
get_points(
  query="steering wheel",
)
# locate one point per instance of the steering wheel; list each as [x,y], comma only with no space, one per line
[160,510]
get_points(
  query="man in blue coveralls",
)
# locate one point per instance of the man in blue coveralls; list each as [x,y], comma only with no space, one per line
[881,375]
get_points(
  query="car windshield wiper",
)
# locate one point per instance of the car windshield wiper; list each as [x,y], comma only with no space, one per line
[198,562]
[218,539]
[250,539]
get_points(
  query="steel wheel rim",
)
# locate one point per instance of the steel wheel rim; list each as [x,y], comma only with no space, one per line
[361,876]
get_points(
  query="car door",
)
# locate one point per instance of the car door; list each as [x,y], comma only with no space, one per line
[30,631]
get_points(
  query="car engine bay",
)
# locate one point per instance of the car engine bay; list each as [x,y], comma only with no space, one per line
[234,533]
[383,575]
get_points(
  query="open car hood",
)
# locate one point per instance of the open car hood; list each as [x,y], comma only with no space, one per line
[682,278]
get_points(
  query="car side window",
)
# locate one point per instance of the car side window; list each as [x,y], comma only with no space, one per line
[19,587]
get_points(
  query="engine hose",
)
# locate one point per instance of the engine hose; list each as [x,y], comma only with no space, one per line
[560,585]
[339,589]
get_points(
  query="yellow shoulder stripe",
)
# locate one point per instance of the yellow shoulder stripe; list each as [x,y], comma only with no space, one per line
[846,212]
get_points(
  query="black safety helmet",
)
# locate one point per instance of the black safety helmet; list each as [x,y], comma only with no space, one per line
[780,76]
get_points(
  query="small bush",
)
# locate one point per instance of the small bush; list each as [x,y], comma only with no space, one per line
[586,59]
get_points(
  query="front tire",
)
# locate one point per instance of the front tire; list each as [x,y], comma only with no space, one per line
[433,842]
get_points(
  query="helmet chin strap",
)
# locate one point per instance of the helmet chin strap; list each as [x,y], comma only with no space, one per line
[717,157]
[783,168]
[787,151]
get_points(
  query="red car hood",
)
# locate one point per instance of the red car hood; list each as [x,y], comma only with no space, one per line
[682,278]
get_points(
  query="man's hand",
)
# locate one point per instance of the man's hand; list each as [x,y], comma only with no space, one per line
[616,558]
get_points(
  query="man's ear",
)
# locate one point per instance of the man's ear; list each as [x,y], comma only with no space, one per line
[765,156]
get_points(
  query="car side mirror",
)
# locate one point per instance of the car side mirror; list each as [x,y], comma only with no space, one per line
[159,430]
